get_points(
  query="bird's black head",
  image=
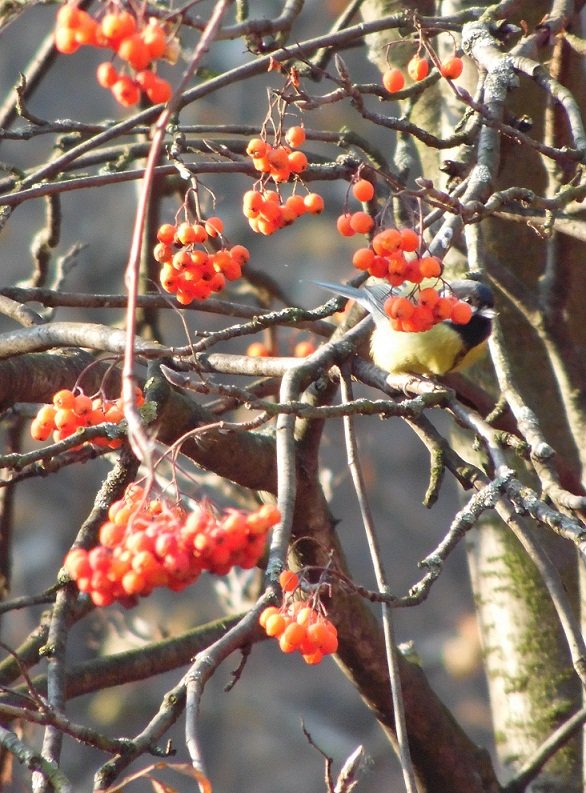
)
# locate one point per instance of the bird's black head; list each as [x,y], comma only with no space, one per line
[481,298]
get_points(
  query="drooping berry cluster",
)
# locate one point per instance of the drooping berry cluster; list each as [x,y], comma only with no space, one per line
[385,258]
[267,212]
[265,209]
[298,625]
[71,410]
[136,43]
[393,256]
[281,161]
[393,79]
[146,544]
[258,349]
[425,309]
[191,271]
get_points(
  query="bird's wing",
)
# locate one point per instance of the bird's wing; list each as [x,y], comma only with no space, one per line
[371,297]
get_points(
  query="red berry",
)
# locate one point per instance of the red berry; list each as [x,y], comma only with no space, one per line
[106,74]
[126,91]
[452,67]
[418,68]
[393,80]
[363,190]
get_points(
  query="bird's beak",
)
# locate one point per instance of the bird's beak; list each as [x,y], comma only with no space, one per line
[487,312]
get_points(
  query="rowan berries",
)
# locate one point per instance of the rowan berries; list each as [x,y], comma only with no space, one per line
[363,190]
[300,627]
[137,44]
[418,68]
[146,544]
[452,68]
[361,222]
[126,91]
[304,348]
[106,74]
[295,136]
[393,80]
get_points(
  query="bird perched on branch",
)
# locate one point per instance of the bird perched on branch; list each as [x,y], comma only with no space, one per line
[446,347]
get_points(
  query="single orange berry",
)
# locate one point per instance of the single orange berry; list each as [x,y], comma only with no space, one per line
[361,222]
[68,16]
[64,399]
[46,416]
[430,267]
[166,233]
[257,148]
[275,624]
[162,253]
[126,92]
[418,68]
[106,74]
[428,297]
[66,421]
[314,203]
[185,233]
[82,405]
[252,202]
[409,240]
[258,350]
[304,348]
[386,241]
[297,161]
[159,91]
[87,29]
[265,614]
[155,39]
[295,136]
[214,226]
[118,25]
[288,580]
[393,80]
[363,190]
[452,68]
[461,313]
[294,634]
[443,308]
[379,267]
[363,258]
[343,225]
[240,254]
[40,431]
[134,51]
[65,41]
[399,308]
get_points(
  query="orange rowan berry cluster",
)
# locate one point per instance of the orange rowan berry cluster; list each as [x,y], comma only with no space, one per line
[425,309]
[70,410]
[146,544]
[136,43]
[188,269]
[385,258]
[393,79]
[299,626]
[360,222]
[265,209]
[267,212]
[281,161]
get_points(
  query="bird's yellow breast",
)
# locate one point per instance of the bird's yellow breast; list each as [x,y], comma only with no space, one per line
[436,351]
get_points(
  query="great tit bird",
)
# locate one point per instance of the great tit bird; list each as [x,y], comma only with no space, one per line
[447,347]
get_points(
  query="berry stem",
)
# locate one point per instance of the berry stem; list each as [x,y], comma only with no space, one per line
[139,442]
